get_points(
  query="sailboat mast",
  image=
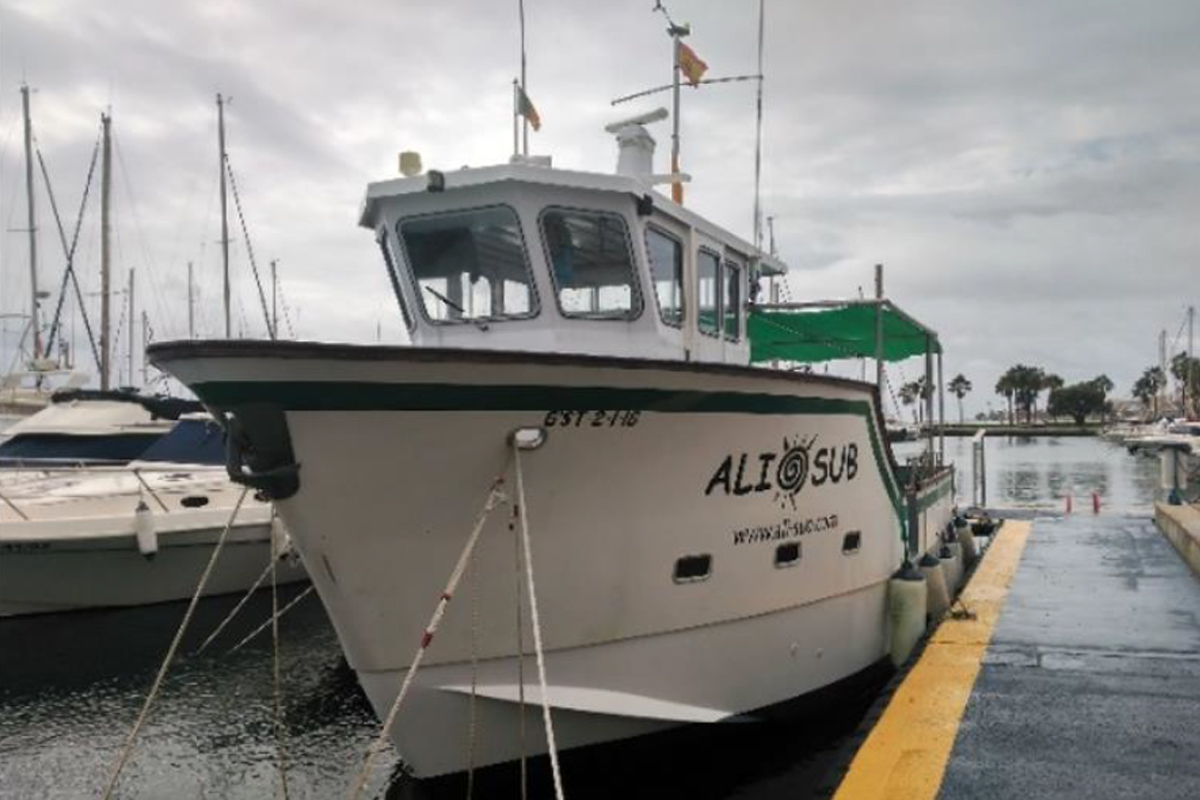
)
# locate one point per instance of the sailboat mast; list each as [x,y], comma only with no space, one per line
[224,210]
[130,318]
[34,321]
[105,251]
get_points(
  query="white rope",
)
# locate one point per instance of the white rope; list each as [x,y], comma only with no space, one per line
[280,733]
[512,526]
[274,617]
[127,750]
[472,720]
[495,495]
[537,626]
[267,571]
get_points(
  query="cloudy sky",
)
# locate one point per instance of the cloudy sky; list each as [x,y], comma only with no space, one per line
[1028,172]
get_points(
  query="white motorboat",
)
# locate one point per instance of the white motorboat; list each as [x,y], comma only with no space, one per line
[95,537]
[711,538]
[83,427]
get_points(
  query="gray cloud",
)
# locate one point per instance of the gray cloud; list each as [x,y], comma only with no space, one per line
[1029,172]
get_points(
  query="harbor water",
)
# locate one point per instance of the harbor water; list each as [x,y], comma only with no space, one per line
[71,685]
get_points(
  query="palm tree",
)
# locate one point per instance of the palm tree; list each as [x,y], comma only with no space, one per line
[959,387]
[1005,387]
[1148,387]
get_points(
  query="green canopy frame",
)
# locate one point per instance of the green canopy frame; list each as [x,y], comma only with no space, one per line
[829,330]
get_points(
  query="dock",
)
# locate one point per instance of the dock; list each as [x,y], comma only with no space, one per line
[1077,677]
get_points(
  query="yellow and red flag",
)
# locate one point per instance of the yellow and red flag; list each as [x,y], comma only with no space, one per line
[692,66]
[525,109]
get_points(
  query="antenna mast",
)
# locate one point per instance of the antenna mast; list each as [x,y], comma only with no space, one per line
[34,322]
[191,305]
[224,210]
[524,86]
[676,32]
[758,124]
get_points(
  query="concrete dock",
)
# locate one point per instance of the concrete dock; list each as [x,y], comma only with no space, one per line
[1078,678]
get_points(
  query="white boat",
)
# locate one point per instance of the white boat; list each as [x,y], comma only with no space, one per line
[712,539]
[83,427]
[97,537]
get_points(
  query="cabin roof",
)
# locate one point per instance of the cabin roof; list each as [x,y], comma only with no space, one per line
[546,176]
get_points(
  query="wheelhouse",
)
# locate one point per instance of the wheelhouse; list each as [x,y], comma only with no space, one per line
[526,257]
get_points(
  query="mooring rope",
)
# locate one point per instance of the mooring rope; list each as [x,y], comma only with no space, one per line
[267,571]
[512,526]
[274,617]
[127,750]
[280,733]
[537,626]
[495,496]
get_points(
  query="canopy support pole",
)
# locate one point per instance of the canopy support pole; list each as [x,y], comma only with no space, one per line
[879,331]
[929,395]
[941,388]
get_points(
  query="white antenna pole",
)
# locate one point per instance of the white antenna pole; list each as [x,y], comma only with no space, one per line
[191,305]
[758,133]
[516,117]
[676,186]
[1191,362]
[274,296]
[524,85]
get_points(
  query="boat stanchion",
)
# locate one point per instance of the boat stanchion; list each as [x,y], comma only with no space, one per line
[145,530]
[937,597]
[907,604]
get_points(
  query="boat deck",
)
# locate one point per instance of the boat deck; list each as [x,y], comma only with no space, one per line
[1080,676]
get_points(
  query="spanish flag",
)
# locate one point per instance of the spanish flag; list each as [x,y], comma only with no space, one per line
[525,109]
[691,65]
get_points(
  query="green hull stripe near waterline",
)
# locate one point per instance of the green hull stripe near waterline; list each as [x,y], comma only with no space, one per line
[367,396]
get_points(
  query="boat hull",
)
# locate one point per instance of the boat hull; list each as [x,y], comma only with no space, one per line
[644,464]
[58,565]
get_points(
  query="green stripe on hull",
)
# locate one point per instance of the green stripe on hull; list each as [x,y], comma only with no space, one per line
[933,496]
[368,396]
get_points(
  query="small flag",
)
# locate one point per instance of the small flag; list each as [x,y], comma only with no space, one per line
[691,65]
[525,109]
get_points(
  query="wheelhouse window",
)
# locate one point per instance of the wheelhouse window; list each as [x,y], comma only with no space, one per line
[470,265]
[708,270]
[666,271]
[731,300]
[591,264]
[394,276]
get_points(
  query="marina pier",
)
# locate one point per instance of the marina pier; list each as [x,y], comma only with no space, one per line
[1075,672]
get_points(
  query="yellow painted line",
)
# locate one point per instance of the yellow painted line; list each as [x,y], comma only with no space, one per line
[905,755]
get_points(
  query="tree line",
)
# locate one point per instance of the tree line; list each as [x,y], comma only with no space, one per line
[1023,385]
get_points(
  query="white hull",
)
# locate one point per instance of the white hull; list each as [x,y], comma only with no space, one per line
[78,548]
[46,577]
[397,450]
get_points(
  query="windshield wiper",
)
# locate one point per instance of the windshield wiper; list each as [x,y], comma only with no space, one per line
[451,304]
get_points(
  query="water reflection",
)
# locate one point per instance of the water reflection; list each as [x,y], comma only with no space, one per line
[1041,472]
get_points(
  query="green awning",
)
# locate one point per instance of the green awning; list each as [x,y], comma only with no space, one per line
[828,334]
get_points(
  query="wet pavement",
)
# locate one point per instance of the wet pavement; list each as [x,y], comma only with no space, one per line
[1090,687]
